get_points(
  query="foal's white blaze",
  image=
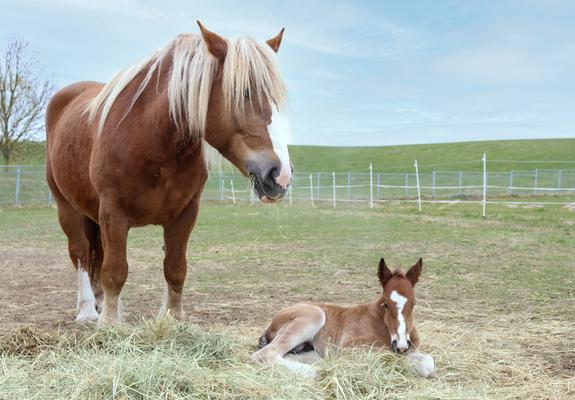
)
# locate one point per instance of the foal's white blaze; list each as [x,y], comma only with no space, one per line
[401,336]
[280,134]
[86,299]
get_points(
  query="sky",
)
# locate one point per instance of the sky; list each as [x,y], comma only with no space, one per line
[359,73]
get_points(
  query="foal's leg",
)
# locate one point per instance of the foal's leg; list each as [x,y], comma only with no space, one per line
[291,327]
[114,228]
[176,237]
[72,223]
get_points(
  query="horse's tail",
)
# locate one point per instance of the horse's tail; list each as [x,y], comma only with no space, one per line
[263,342]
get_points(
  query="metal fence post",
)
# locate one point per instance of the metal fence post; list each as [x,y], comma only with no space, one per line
[511,182]
[333,176]
[536,181]
[484,159]
[311,189]
[370,185]
[318,185]
[349,185]
[49,197]
[559,178]
[18,174]
[406,190]
[417,183]
[460,183]
[433,183]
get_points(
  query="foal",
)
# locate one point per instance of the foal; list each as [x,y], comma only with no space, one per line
[301,333]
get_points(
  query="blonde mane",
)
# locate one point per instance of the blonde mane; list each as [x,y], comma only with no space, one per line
[248,66]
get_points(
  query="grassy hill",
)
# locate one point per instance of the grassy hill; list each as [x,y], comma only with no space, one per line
[463,156]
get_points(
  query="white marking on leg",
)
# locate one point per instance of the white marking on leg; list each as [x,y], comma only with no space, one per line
[422,364]
[401,336]
[280,135]
[113,310]
[86,299]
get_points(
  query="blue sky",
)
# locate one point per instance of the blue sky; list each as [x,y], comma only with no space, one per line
[358,73]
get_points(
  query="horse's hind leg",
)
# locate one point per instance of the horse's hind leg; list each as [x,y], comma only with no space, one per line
[73,225]
[290,328]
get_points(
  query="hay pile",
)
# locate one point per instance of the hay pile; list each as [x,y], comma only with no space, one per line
[163,359]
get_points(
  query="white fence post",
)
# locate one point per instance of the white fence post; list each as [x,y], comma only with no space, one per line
[460,183]
[221,187]
[417,183]
[333,176]
[536,181]
[433,183]
[559,178]
[311,189]
[18,174]
[49,197]
[370,185]
[484,159]
[233,191]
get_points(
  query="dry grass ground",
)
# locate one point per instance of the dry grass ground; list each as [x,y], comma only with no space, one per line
[496,305]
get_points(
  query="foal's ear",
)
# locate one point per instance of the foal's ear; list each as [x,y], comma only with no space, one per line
[383,273]
[414,272]
[275,42]
[217,45]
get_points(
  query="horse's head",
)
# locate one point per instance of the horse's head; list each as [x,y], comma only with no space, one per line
[244,122]
[398,300]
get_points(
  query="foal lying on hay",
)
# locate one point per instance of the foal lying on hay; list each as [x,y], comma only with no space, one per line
[299,334]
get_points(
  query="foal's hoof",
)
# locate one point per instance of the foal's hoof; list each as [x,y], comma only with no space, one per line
[423,364]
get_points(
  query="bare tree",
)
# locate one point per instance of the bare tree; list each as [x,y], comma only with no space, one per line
[23,96]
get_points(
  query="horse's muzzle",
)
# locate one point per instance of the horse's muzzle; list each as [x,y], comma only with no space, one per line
[397,349]
[265,182]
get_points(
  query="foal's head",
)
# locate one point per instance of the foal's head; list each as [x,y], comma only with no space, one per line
[244,121]
[398,300]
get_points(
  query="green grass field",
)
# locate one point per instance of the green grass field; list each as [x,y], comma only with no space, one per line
[495,305]
[400,158]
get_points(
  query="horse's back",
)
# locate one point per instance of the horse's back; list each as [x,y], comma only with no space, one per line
[69,142]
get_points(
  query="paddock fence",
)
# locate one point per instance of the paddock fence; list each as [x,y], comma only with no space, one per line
[22,185]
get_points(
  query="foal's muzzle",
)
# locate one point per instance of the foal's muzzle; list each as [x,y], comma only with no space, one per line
[264,178]
[397,349]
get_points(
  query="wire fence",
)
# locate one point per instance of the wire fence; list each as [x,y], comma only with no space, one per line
[26,185]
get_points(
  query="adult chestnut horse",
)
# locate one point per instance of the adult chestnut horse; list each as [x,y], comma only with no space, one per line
[132,152]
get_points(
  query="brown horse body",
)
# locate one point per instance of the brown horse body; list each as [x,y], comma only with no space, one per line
[133,152]
[302,333]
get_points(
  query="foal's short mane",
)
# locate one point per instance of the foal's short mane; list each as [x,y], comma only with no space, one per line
[248,66]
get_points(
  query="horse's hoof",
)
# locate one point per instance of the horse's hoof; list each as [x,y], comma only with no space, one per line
[87,315]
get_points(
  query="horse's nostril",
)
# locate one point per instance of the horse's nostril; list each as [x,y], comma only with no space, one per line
[408,344]
[273,174]
[394,346]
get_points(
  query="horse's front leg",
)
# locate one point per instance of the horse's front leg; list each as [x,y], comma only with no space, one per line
[176,236]
[114,230]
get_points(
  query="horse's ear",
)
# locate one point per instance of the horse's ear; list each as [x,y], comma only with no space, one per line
[414,272]
[383,273]
[217,45]
[275,42]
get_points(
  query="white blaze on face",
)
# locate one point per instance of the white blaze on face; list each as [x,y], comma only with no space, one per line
[280,135]
[401,335]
